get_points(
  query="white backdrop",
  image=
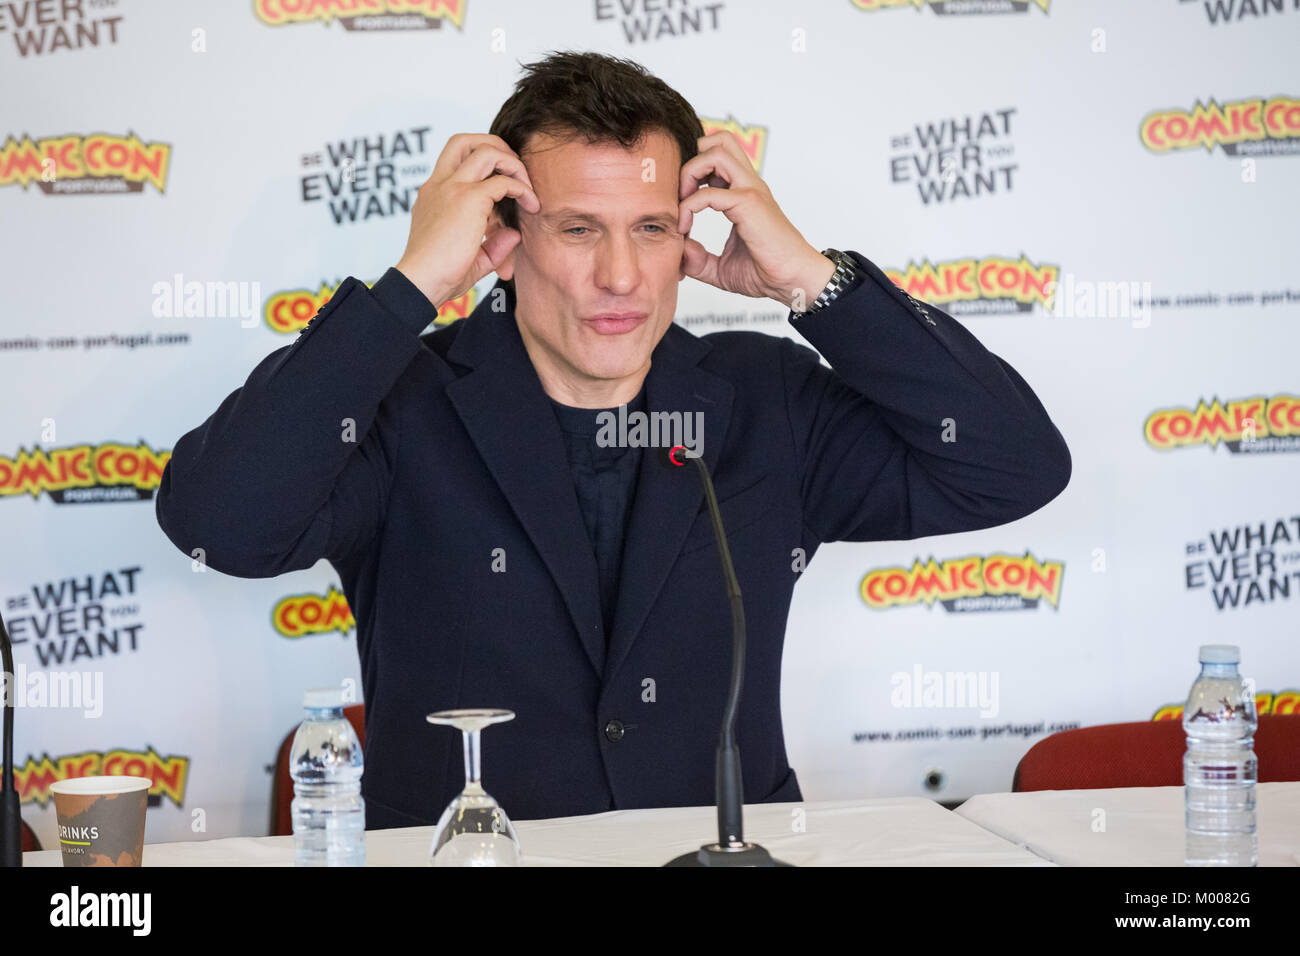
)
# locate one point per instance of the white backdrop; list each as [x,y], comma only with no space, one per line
[147,146]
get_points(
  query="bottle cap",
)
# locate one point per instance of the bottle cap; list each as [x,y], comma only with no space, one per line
[323,697]
[1220,654]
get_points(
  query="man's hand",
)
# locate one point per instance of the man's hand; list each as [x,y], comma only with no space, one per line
[447,252]
[765,256]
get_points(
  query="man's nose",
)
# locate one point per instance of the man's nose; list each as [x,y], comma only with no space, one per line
[616,265]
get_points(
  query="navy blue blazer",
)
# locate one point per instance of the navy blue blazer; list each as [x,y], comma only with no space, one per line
[458,454]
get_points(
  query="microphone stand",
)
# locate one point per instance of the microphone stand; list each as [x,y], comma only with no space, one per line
[11,834]
[731,848]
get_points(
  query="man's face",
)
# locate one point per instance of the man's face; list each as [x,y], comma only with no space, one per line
[596,269]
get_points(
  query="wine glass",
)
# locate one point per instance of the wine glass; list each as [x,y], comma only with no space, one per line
[474,830]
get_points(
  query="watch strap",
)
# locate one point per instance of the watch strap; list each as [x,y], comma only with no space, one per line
[844,277]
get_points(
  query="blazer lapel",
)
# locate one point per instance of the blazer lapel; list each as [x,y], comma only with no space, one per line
[509,419]
[668,498]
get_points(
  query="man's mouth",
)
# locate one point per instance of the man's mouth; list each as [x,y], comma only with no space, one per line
[616,323]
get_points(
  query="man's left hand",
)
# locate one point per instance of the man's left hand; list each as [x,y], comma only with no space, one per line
[765,256]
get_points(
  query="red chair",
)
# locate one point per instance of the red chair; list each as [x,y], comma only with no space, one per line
[282,784]
[1144,754]
[30,843]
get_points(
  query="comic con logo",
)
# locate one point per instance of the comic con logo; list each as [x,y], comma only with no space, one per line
[301,614]
[85,163]
[366,16]
[991,284]
[996,582]
[957,157]
[1266,702]
[1255,425]
[1250,127]
[956,7]
[1248,564]
[84,474]
[752,139]
[64,621]
[368,177]
[43,28]
[169,775]
[289,311]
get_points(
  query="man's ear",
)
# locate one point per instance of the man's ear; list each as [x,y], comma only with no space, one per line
[506,269]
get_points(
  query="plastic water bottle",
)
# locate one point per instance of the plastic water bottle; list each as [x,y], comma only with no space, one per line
[1219,767]
[329,813]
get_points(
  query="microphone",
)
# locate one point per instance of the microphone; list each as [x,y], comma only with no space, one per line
[731,848]
[11,834]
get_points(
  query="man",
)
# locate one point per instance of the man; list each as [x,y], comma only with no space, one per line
[496,552]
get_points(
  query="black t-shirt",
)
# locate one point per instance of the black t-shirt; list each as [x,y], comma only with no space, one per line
[605,481]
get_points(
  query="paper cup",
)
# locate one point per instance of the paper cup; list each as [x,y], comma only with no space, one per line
[101,819]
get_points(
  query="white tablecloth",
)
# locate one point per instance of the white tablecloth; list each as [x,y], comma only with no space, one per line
[900,831]
[1143,825]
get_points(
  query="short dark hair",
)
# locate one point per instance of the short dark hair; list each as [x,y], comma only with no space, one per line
[601,99]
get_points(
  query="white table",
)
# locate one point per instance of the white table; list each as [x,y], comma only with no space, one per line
[1143,825]
[897,831]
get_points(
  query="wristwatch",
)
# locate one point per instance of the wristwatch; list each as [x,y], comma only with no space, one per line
[844,276]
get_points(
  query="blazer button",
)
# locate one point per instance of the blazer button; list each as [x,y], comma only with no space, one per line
[614,731]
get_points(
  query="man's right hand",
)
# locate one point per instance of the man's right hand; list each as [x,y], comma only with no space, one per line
[455,240]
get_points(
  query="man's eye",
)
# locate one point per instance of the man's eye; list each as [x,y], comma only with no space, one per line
[651,225]
[570,230]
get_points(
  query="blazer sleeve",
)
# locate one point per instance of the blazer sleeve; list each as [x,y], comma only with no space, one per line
[295,465]
[916,429]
